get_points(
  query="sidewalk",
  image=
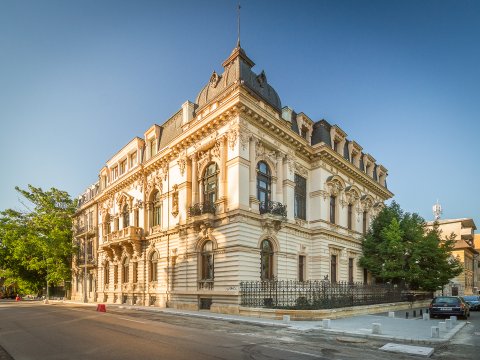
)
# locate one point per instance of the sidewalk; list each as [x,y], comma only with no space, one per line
[412,330]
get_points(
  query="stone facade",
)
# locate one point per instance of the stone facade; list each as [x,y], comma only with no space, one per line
[230,188]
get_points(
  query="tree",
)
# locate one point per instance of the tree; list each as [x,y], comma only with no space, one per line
[36,244]
[399,249]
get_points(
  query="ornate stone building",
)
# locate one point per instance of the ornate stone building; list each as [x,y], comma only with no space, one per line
[232,187]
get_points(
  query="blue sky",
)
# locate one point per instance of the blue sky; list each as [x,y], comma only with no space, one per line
[79,79]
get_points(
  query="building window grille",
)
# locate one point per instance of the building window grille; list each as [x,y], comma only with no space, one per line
[153,267]
[333,268]
[266,270]
[333,206]
[210,183]
[264,182]
[300,197]
[207,261]
[126,267]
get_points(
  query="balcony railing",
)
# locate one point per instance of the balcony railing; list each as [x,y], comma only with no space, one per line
[129,232]
[205,284]
[202,208]
[273,207]
[79,230]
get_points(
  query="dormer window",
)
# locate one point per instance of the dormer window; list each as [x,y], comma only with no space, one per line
[153,148]
[336,145]
[133,159]
[304,132]
[115,173]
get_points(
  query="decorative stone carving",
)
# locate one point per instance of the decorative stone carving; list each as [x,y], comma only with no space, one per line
[175,200]
[244,138]
[182,162]
[232,136]
[164,168]
[301,170]
[334,185]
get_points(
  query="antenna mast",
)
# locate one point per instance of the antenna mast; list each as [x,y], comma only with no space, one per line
[437,211]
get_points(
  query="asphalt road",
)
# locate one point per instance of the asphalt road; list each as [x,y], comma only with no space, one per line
[31,330]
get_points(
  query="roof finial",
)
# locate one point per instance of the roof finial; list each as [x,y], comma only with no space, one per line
[238,16]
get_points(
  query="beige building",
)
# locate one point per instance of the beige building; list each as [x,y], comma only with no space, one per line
[463,229]
[233,187]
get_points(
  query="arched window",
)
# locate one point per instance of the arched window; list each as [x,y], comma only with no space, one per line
[207,261]
[210,183]
[152,267]
[156,209]
[264,184]
[266,270]
[126,216]
[126,266]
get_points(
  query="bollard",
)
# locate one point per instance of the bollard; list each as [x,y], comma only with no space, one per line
[101,308]
[326,323]
[442,326]
[286,318]
[414,313]
[421,312]
[426,317]
[391,314]
[435,332]
[406,315]
[377,328]
[454,320]
[448,323]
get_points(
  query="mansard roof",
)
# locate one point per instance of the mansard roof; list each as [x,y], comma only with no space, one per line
[238,71]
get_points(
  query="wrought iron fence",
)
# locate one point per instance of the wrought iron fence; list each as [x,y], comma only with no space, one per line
[202,208]
[273,207]
[316,294]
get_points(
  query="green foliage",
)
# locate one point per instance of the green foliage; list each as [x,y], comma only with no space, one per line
[399,249]
[36,245]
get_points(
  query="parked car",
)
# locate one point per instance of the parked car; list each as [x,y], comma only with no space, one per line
[473,301]
[449,305]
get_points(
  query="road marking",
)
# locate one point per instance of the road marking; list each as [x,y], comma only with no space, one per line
[137,321]
[295,352]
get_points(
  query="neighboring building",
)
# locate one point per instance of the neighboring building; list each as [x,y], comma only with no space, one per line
[233,187]
[463,229]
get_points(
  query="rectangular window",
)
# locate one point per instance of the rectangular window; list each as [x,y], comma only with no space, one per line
[135,218]
[135,272]
[350,216]
[106,276]
[304,132]
[333,268]
[365,276]
[133,159]
[153,148]
[335,145]
[350,270]
[123,167]
[364,227]
[300,197]
[333,204]
[115,173]
[116,226]
[301,268]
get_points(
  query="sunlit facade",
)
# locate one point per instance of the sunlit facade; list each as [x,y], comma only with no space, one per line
[233,187]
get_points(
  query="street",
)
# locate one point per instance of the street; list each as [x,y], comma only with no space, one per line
[32,330]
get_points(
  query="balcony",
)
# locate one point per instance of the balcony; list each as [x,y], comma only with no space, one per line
[273,207]
[89,263]
[128,233]
[202,208]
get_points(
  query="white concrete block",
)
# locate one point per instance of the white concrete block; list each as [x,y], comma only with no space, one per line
[391,314]
[286,318]
[426,316]
[326,323]
[448,324]
[435,332]
[408,349]
[454,320]
[377,328]
[442,326]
